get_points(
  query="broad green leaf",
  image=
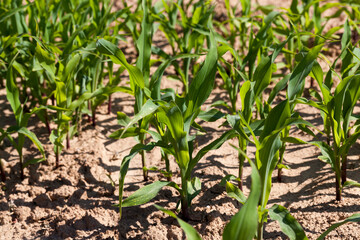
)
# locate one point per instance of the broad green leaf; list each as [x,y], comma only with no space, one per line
[301,71]
[143,44]
[211,115]
[60,94]
[130,132]
[293,140]
[32,161]
[262,75]
[288,223]
[71,66]
[278,87]
[351,183]
[203,83]
[12,93]
[125,167]
[276,118]
[171,116]
[234,192]
[267,152]
[34,139]
[156,77]
[326,151]
[193,188]
[108,48]
[148,108]
[46,60]
[144,194]
[244,224]
[352,218]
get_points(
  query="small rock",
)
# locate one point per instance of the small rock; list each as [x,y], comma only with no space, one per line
[5,218]
[212,215]
[22,213]
[66,231]
[35,191]
[43,200]
[64,192]
[91,222]
[38,214]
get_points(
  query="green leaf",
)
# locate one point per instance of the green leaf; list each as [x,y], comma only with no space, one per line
[143,44]
[156,77]
[234,192]
[352,218]
[117,56]
[148,108]
[125,167]
[12,93]
[171,116]
[211,116]
[351,183]
[301,70]
[144,194]
[130,132]
[276,118]
[293,140]
[33,138]
[10,13]
[193,188]
[244,224]
[327,152]
[32,161]
[288,223]
[203,83]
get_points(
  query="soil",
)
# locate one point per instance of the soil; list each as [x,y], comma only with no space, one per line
[75,201]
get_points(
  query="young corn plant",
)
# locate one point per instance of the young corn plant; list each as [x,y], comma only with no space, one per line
[140,84]
[267,146]
[178,116]
[295,89]
[21,119]
[337,110]
[194,31]
[251,92]
[249,222]
[243,225]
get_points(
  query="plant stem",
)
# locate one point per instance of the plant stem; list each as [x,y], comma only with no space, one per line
[167,165]
[67,140]
[260,230]
[109,104]
[2,171]
[338,188]
[241,158]
[47,122]
[343,169]
[143,161]
[21,167]
[57,157]
[93,117]
[184,198]
[89,107]
[282,151]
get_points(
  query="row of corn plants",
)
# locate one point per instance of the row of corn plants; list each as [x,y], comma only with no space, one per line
[59,61]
